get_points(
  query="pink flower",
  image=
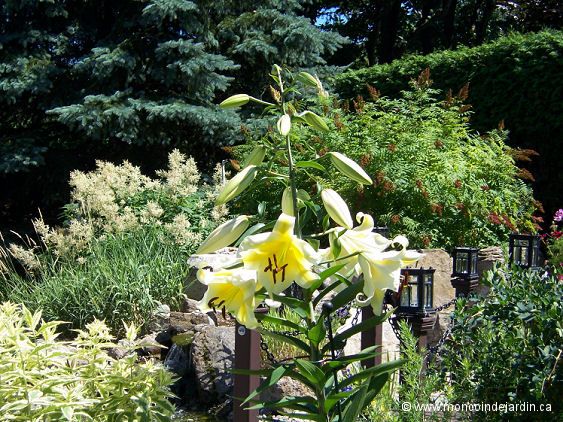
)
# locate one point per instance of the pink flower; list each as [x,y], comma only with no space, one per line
[558,215]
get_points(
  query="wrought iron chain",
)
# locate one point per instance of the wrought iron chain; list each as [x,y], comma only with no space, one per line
[266,349]
[436,350]
[446,305]
[357,316]
[269,355]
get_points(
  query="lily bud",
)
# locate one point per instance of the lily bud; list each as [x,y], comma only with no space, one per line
[307,79]
[337,208]
[314,120]
[350,168]
[224,235]
[284,124]
[256,156]
[235,101]
[287,202]
[237,185]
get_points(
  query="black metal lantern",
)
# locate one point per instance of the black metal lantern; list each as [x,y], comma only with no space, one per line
[465,262]
[524,250]
[417,291]
[465,278]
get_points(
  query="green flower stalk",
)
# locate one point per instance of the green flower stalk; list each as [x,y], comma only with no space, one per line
[357,264]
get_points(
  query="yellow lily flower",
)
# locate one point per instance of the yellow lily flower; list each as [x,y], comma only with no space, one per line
[358,240]
[382,271]
[232,291]
[279,257]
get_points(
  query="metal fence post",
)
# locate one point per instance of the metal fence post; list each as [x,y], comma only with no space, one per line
[371,337]
[247,356]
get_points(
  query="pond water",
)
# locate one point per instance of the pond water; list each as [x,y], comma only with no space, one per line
[192,416]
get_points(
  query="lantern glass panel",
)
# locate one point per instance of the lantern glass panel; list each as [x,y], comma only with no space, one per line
[521,251]
[405,296]
[428,291]
[462,259]
[413,295]
[474,263]
[409,294]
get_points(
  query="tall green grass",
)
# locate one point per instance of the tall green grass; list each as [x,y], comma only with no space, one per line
[122,277]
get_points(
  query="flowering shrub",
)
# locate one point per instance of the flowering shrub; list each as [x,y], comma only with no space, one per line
[355,264]
[43,378]
[434,179]
[122,249]
[118,198]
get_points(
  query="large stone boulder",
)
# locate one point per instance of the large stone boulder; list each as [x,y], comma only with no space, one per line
[487,259]
[213,354]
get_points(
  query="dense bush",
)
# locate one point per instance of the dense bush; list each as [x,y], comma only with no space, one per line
[506,348]
[43,378]
[122,250]
[515,79]
[435,180]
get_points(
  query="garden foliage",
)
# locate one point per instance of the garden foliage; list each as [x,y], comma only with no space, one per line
[122,249]
[109,80]
[515,79]
[436,180]
[506,347]
[44,378]
[277,257]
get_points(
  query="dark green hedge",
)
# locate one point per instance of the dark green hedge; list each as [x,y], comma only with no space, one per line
[518,79]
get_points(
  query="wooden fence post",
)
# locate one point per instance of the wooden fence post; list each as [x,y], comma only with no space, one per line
[371,337]
[247,356]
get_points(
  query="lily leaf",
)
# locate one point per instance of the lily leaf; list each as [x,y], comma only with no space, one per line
[310,164]
[348,294]
[310,371]
[300,344]
[270,381]
[382,368]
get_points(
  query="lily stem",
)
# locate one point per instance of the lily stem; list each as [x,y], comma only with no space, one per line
[292,181]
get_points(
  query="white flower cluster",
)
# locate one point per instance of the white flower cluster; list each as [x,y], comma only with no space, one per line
[119,198]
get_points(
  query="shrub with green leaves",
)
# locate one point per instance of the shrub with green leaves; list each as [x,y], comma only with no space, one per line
[515,78]
[43,378]
[506,347]
[436,180]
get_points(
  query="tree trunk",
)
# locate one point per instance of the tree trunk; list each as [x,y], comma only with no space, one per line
[388,28]
[448,8]
[483,22]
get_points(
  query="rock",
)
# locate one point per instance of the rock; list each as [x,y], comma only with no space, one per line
[181,322]
[183,339]
[285,387]
[189,305]
[160,318]
[213,354]
[194,289]
[118,352]
[443,290]
[486,261]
